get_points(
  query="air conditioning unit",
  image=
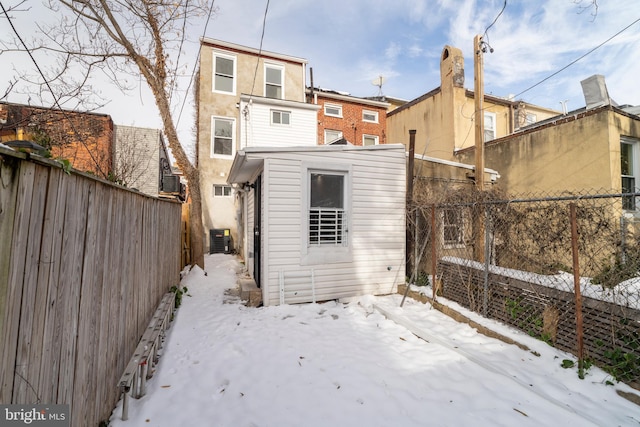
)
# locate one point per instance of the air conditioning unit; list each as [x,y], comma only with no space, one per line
[220,241]
[171,184]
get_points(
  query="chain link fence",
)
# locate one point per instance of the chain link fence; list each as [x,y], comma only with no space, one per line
[562,268]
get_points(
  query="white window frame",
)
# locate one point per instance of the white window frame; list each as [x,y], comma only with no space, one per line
[338,107]
[371,113]
[458,242]
[275,67]
[491,129]
[530,118]
[213,82]
[376,140]
[225,190]
[213,136]
[325,253]
[630,204]
[280,114]
[328,132]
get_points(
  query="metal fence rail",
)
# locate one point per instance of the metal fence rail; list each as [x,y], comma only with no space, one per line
[562,268]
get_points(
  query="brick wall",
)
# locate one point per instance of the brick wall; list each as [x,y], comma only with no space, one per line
[85,139]
[351,124]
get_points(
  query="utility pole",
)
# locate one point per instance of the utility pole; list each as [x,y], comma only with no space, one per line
[478,83]
[409,202]
[478,88]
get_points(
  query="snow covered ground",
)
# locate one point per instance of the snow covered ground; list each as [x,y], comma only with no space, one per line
[345,364]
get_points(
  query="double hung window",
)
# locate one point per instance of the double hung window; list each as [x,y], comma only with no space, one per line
[327,214]
[452,228]
[224,70]
[222,137]
[489,126]
[274,81]
[629,170]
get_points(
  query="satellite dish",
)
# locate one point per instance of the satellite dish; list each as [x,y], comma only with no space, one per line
[378,81]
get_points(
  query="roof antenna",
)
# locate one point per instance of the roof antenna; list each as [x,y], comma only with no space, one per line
[379,81]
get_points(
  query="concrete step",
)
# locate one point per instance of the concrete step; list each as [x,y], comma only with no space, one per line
[249,292]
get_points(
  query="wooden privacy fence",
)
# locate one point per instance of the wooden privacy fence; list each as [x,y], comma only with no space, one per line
[83,266]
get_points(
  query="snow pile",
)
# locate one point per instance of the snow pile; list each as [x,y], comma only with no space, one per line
[626,293]
[345,364]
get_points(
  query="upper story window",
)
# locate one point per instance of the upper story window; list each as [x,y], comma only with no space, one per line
[369,140]
[530,118]
[333,110]
[370,116]
[274,81]
[224,71]
[489,126]
[630,170]
[222,137]
[280,117]
[331,135]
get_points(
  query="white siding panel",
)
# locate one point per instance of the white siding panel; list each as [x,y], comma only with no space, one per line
[258,131]
[377,233]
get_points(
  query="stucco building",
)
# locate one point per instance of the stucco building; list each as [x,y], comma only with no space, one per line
[444,117]
[589,150]
[246,97]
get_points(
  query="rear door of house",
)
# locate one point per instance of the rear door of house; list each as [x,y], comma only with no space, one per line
[257,218]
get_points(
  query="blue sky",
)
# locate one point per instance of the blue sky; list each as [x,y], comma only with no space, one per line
[348,43]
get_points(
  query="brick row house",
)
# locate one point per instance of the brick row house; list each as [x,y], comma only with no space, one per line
[84,139]
[346,118]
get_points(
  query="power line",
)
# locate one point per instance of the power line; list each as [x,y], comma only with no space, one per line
[264,24]
[55,100]
[195,65]
[578,59]
[175,71]
[486,31]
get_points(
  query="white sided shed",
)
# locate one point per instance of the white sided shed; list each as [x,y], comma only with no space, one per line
[322,222]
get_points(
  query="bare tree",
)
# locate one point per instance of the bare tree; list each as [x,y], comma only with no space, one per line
[120,39]
[588,5]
